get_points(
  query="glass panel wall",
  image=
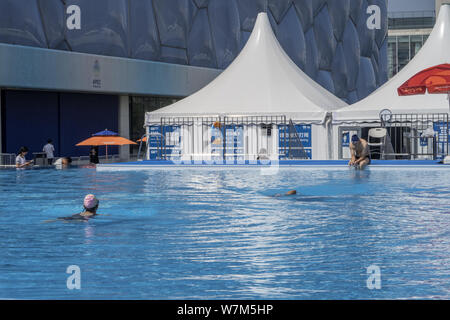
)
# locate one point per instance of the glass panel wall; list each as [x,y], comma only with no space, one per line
[139,105]
[416,42]
[401,49]
[411,19]
[392,56]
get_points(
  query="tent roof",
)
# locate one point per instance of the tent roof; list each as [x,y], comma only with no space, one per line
[262,80]
[435,51]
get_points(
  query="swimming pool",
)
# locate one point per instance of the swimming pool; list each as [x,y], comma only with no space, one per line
[196,234]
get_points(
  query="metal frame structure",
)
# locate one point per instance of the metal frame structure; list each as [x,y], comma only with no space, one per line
[292,147]
[407,134]
[7,159]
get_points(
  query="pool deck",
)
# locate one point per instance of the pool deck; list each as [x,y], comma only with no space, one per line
[282,164]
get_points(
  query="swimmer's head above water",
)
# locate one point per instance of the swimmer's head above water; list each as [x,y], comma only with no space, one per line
[90,204]
[289,193]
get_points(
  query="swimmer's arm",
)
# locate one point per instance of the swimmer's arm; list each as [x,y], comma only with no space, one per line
[71,218]
[24,165]
[49,221]
[353,153]
[56,220]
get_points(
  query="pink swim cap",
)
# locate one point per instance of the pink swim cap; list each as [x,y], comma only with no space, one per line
[90,201]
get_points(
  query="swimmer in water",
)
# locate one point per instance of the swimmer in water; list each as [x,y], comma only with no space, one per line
[289,193]
[63,163]
[90,205]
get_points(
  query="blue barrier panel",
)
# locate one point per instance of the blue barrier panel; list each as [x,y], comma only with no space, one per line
[304,133]
[443,137]
[234,142]
[346,139]
[172,139]
[154,142]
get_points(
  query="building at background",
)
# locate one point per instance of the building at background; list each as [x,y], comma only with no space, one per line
[71,68]
[410,24]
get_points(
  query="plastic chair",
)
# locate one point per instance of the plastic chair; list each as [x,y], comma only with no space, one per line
[380,135]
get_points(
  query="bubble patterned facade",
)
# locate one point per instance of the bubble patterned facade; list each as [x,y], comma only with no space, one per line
[328,39]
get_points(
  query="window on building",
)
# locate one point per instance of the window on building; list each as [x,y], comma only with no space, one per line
[403,51]
[392,56]
[411,32]
[416,42]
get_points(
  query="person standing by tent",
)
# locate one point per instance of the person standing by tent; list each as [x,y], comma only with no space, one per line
[359,149]
[49,149]
[93,155]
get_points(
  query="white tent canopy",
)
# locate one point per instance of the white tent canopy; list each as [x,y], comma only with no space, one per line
[261,81]
[435,51]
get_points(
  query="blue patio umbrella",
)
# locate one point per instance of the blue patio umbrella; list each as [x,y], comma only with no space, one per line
[105,133]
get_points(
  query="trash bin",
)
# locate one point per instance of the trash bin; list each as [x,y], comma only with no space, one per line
[40,158]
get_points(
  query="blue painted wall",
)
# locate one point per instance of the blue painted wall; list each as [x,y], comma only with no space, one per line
[83,115]
[326,38]
[32,117]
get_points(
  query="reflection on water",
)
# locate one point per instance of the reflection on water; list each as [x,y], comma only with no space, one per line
[208,235]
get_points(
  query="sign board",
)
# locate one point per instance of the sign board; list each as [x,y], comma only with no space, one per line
[346,139]
[424,142]
[234,142]
[154,143]
[172,142]
[441,128]
[345,134]
[287,138]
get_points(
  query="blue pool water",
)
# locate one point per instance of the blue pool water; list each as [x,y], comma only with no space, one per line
[197,234]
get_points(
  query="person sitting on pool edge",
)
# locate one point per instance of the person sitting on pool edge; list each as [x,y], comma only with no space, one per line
[359,149]
[90,205]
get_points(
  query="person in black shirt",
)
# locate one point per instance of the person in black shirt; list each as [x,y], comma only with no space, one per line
[93,155]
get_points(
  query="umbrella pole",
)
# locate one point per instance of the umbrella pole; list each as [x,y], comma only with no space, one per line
[448,97]
[106,152]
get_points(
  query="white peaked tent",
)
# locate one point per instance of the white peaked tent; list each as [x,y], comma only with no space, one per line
[261,81]
[435,51]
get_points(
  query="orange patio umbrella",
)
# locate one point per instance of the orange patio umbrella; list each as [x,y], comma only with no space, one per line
[434,80]
[105,138]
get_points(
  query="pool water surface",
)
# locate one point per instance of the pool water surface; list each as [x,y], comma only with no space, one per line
[195,234]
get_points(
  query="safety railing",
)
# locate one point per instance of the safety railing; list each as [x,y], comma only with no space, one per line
[417,136]
[221,137]
[7,159]
[226,138]
[85,160]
